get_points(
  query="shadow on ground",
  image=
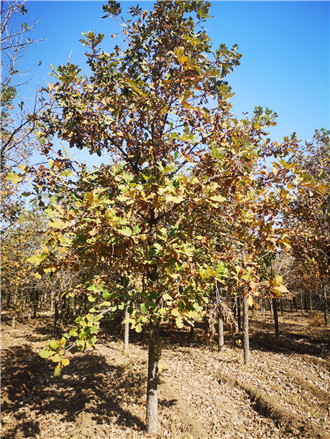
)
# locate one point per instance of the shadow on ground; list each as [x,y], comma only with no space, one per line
[88,384]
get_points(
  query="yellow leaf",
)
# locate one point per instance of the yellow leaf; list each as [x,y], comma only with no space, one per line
[65,362]
[175,312]
[179,322]
[218,198]
[14,178]
[174,199]
[281,289]
[250,301]
[22,167]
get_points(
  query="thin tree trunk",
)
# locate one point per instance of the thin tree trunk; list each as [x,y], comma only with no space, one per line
[52,295]
[56,316]
[35,303]
[295,303]
[246,344]
[325,306]
[277,332]
[126,330]
[234,305]
[13,321]
[221,339]
[152,388]
[239,320]
[192,331]
[263,308]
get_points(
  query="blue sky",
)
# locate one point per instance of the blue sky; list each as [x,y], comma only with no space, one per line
[285,47]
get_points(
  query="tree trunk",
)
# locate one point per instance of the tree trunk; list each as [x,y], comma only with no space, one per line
[325,306]
[295,303]
[234,305]
[221,340]
[246,344]
[56,316]
[192,331]
[126,330]
[263,308]
[239,320]
[35,303]
[277,332]
[13,321]
[152,389]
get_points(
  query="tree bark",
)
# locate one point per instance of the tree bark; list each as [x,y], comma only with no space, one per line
[126,330]
[277,331]
[239,320]
[13,321]
[234,306]
[152,388]
[192,331]
[246,344]
[221,339]
[325,306]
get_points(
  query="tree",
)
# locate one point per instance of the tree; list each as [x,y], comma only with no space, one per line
[17,119]
[20,238]
[307,216]
[181,174]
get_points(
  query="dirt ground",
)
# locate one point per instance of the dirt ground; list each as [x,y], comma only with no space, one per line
[204,393]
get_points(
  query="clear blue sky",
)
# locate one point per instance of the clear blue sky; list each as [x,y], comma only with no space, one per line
[285,47]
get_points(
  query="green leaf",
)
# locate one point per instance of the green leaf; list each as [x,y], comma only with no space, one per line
[57,370]
[37,259]
[56,358]
[125,231]
[53,344]
[45,353]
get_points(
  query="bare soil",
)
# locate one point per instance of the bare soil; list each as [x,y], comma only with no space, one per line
[203,393]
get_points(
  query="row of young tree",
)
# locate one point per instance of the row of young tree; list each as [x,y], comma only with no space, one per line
[185,209]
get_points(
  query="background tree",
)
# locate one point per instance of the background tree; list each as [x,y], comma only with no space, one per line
[307,216]
[17,115]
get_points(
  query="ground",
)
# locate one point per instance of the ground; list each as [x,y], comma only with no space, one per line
[203,393]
